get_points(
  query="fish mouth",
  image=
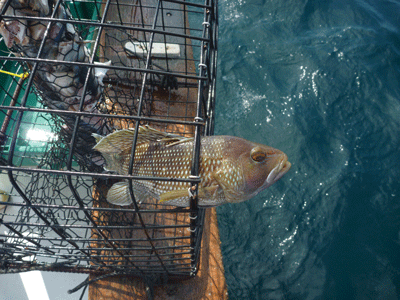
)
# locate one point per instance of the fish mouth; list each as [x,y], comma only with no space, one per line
[280,169]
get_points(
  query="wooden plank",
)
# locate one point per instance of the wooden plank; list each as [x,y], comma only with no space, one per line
[208,284]
[124,87]
[122,92]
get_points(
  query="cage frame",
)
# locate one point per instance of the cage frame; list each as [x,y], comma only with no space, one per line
[203,122]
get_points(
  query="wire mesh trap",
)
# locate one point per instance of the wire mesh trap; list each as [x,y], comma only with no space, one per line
[73,68]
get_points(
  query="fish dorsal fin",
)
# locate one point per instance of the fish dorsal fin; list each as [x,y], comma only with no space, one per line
[149,134]
[120,140]
[115,142]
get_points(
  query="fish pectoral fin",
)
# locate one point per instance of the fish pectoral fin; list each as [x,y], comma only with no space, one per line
[168,196]
[205,192]
[209,192]
[119,194]
[230,192]
[220,178]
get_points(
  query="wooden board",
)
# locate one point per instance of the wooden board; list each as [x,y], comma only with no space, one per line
[122,92]
[208,284]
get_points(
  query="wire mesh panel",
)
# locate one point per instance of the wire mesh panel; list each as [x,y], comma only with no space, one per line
[76,70]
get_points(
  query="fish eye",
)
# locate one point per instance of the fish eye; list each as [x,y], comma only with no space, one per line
[258,155]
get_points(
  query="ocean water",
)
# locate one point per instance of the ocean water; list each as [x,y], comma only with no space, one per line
[319,80]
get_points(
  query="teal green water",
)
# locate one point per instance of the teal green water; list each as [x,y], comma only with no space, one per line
[319,80]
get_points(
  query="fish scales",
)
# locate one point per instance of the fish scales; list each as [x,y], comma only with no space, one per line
[159,160]
[231,169]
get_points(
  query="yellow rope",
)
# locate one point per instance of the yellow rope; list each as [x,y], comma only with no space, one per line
[23,75]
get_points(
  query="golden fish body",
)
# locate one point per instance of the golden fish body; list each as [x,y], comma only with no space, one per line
[231,170]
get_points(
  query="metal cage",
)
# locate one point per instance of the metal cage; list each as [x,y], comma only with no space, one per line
[73,68]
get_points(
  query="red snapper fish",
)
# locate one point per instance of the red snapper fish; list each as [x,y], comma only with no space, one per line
[232,169]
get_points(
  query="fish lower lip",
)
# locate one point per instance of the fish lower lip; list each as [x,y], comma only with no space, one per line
[280,170]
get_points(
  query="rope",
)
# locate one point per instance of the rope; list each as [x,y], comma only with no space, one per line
[23,75]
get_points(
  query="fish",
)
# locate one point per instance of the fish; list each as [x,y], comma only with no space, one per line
[232,169]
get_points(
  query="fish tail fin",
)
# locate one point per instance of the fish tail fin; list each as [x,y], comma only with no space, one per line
[119,194]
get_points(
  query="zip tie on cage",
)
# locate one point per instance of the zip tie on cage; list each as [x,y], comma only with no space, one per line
[206,24]
[193,187]
[198,119]
[23,75]
[194,177]
[191,191]
[202,66]
[193,272]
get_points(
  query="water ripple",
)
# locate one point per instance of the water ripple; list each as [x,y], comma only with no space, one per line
[319,80]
